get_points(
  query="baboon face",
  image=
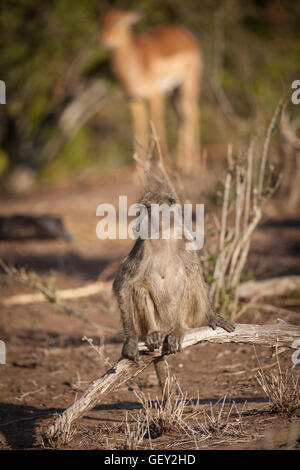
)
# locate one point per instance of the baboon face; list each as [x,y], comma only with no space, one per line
[159,216]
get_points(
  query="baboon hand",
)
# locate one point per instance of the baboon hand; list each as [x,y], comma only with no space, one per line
[130,349]
[153,340]
[217,320]
[172,344]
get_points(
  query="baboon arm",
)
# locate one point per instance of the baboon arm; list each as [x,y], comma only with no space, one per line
[130,346]
[127,314]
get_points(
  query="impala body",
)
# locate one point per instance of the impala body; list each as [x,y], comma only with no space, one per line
[149,66]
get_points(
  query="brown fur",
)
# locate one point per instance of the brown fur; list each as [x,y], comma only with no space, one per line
[161,292]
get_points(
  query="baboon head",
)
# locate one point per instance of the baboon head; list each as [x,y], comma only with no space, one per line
[159,216]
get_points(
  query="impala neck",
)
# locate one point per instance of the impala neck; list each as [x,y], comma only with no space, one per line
[125,61]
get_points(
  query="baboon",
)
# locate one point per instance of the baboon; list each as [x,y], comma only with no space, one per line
[161,292]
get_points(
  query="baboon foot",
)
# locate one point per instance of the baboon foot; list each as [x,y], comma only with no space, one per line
[217,320]
[172,344]
[130,349]
[154,340]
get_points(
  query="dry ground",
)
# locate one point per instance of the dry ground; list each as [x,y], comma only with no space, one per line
[48,365]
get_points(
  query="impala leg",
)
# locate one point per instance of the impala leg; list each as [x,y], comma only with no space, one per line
[157,116]
[140,128]
[188,144]
[188,148]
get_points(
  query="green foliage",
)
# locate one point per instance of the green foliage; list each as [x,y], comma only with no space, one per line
[227,303]
[293,295]
[3,161]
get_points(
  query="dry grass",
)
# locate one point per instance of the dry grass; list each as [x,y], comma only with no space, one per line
[134,433]
[180,422]
[59,439]
[218,422]
[282,390]
[169,415]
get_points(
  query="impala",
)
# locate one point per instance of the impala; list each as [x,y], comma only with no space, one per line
[149,66]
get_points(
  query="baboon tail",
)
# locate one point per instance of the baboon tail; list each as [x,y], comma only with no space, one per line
[163,375]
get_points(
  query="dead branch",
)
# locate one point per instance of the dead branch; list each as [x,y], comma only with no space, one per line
[74,293]
[73,117]
[147,168]
[250,193]
[215,288]
[275,287]
[266,145]
[161,164]
[280,335]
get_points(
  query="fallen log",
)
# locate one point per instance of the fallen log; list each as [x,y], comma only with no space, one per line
[276,310]
[275,287]
[74,293]
[32,227]
[281,335]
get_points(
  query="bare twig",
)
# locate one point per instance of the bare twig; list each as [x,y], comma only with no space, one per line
[249,183]
[266,145]
[148,170]
[161,164]
[220,260]
[24,395]
[99,350]
[234,242]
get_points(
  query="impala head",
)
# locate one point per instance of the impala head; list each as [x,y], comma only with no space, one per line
[115,24]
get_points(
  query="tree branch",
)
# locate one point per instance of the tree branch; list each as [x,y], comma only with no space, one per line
[280,335]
